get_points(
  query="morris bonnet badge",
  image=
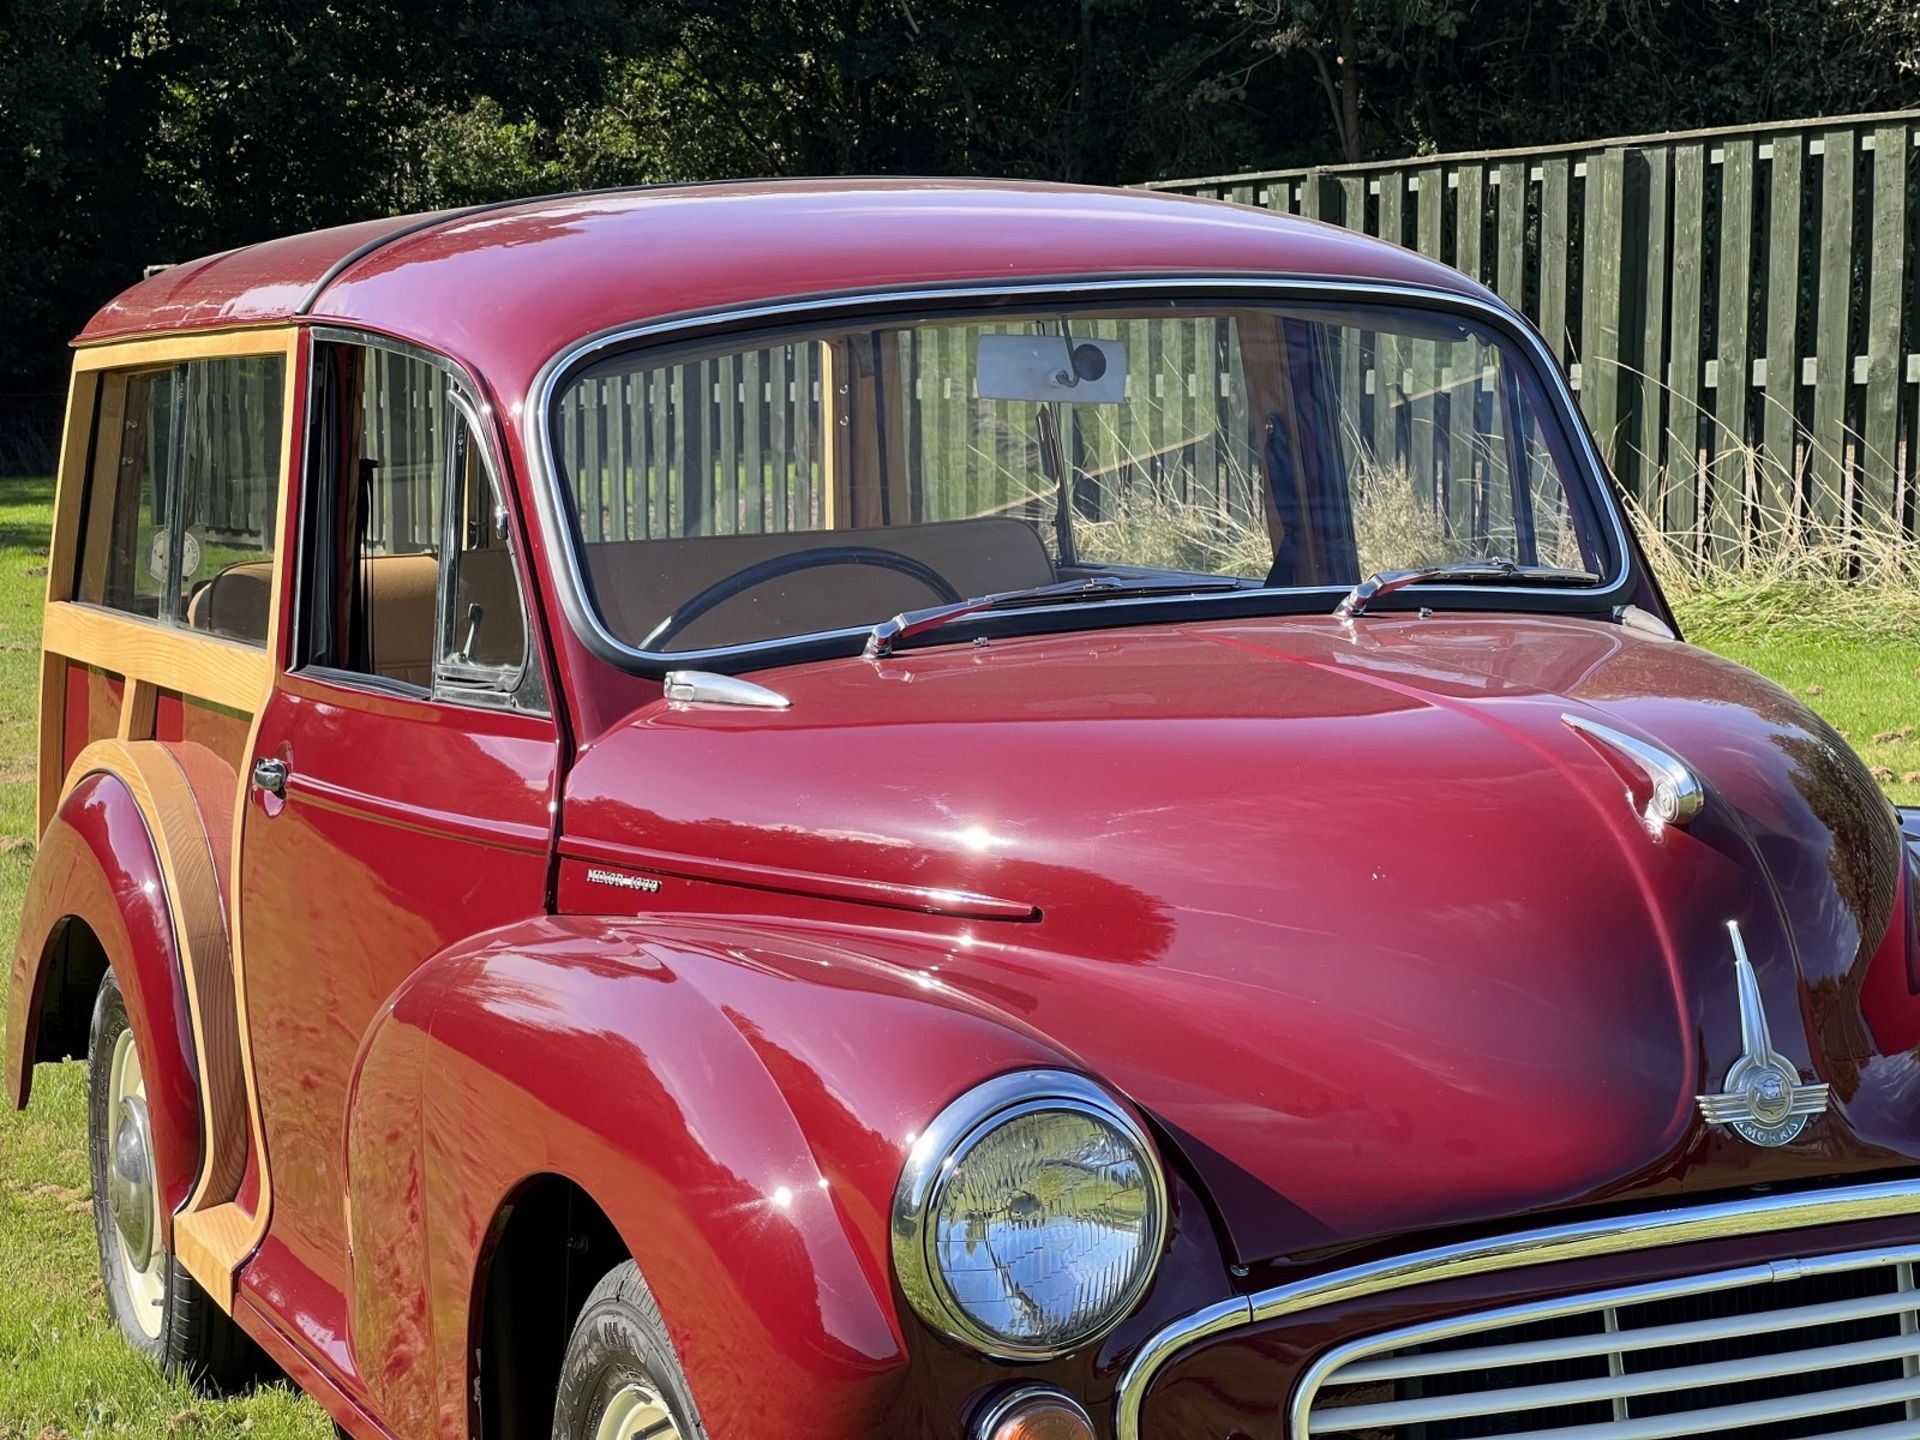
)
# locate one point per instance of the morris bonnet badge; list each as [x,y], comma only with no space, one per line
[1764,1100]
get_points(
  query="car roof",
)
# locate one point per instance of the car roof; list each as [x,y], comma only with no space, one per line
[504,287]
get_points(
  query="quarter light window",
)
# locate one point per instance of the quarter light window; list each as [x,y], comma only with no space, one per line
[410,576]
[183,495]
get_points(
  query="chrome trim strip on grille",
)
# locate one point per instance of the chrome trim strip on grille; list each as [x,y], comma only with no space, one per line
[1335,1368]
[1553,1244]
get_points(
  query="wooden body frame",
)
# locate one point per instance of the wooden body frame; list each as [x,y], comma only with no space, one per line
[214,1231]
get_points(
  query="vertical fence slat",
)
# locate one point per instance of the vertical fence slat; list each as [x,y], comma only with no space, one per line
[1393,197]
[1833,355]
[753,442]
[1353,202]
[1890,257]
[1556,181]
[1470,207]
[1649,388]
[781,461]
[726,384]
[1429,220]
[1779,432]
[1726,512]
[619,430]
[1511,269]
[1603,236]
[659,478]
[1682,508]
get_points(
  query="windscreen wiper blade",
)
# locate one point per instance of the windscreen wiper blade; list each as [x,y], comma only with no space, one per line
[1495,570]
[888,633]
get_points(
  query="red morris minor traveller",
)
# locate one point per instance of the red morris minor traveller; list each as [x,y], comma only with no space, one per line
[914,808]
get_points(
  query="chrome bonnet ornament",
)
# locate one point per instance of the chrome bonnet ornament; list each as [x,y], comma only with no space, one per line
[1763,1099]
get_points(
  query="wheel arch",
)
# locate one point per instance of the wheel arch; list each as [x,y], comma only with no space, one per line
[641,1072]
[550,1244]
[126,877]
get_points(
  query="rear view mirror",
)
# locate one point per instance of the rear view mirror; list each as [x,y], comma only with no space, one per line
[1041,367]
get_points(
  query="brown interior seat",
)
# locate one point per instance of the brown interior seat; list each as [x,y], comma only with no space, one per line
[639,582]
[236,603]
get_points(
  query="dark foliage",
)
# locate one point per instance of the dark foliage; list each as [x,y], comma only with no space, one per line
[134,133]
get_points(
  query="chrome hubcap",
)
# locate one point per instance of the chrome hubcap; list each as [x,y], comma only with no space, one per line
[637,1412]
[130,1182]
[132,1198]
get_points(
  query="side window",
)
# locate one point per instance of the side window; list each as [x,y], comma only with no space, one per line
[183,492]
[408,576]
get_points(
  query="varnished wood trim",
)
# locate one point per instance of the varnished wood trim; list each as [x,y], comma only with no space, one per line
[200,935]
[62,561]
[53,736]
[70,490]
[798,882]
[188,345]
[244,1243]
[137,710]
[205,667]
[99,486]
[203,1239]
[247,1240]
[213,1236]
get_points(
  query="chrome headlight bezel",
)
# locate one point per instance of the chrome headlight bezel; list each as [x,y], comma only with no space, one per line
[952,1135]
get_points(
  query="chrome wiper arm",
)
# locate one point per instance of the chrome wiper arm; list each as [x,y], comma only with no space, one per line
[888,633]
[1494,570]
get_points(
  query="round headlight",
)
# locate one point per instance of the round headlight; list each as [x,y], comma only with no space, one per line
[1030,1216]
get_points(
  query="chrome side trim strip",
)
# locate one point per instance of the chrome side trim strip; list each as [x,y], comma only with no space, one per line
[1549,1245]
[545,479]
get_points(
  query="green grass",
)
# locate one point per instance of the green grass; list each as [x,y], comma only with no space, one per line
[64,1371]
[1867,690]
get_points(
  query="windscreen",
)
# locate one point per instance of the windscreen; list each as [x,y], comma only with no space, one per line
[820,480]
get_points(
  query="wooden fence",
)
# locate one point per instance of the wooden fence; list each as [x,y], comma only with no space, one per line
[1735,307]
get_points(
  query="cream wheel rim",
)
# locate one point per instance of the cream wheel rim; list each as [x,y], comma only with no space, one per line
[132,1197]
[637,1412]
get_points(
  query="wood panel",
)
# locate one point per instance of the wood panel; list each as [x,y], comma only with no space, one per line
[154,657]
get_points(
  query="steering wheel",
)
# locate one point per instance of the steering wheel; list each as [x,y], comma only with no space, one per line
[775,566]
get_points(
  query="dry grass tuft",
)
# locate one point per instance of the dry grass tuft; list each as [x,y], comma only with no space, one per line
[1792,579]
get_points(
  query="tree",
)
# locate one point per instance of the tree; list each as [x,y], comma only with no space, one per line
[1351,41]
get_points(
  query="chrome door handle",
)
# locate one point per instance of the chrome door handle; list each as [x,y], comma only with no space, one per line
[270,775]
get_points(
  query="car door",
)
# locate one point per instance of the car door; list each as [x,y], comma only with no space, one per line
[403,776]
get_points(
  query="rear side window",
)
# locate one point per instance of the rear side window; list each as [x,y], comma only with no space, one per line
[183,490]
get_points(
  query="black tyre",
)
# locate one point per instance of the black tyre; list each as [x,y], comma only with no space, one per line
[619,1380]
[159,1307]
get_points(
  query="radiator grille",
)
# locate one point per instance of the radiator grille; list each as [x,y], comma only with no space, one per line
[1803,1348]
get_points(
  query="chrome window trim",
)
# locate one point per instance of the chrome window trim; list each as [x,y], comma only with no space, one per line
[468,398]
[1548,1245]
[1314,1378]
[963,1122]
[584,617]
